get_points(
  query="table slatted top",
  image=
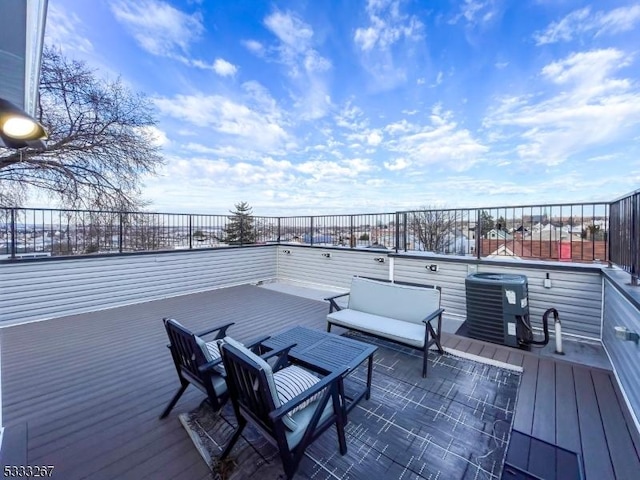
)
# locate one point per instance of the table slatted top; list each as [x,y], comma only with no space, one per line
[323,349]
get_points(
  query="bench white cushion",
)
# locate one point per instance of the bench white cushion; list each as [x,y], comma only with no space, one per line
[409,333]
[401,302]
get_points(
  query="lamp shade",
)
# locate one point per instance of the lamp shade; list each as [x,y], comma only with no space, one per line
[18,129]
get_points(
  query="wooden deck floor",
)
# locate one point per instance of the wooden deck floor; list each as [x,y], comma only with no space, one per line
[90,387]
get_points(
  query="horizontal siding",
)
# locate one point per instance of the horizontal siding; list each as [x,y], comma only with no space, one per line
[575,294]
[308,265]
[449,277]
[38,290]
[624,355]
[47,289]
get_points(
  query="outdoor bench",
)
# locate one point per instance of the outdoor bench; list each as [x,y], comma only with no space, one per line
[399,312]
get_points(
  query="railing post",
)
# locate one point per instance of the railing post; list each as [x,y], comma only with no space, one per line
[311,239]
[478,234]
[190,223]
[635,205]
[279,231]
[352,241]
[13,233]
[241,230]
[397,225]
[120,232]
[404,230]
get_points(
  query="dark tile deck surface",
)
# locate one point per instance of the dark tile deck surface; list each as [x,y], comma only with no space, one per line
[90,388]
[455,426]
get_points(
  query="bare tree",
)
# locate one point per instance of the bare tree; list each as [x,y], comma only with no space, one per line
[100,140]
[434,230]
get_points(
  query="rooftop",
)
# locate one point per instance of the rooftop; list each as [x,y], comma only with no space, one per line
[88,388]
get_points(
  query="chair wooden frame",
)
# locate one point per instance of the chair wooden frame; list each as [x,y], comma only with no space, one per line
[256,405]
[191,364]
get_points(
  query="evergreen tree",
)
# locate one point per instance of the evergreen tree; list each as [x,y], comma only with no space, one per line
[486,222]
[240,229]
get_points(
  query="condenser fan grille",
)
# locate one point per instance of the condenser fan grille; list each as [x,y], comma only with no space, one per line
[493,302]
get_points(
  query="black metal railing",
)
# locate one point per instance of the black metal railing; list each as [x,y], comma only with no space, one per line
[30,232]
[565,232]
[568,232]
[371,230]
[624,234]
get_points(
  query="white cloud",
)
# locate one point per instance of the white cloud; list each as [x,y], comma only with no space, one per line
[442,142]
[374,138]
[66,31]
[583,21]
[156,136]
[476,12]
[591,108]
[439,79]
[400,127]
[351,117]
[258,124]
[387,26]
[305,66]
[224,68]
[158,27]
[397,164]
[322,170]
[291,30]
[254,47]
[381,43]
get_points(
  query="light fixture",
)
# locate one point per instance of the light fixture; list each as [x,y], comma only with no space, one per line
[18,129]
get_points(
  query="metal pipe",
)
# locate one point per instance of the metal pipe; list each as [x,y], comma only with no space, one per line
[558,328]
[558,337]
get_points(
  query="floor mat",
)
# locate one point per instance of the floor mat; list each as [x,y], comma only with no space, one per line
[455,424]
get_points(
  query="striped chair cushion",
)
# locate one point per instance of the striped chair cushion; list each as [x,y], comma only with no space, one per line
[291,382]
[284,384]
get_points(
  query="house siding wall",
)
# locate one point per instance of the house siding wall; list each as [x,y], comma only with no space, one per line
[577,295]
[309,265]
[624,355]
[46,289]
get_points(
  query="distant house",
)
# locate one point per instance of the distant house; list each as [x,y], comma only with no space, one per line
[514,250]
[550,233]
[494,234]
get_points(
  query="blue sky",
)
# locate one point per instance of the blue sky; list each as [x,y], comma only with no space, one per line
[317,107]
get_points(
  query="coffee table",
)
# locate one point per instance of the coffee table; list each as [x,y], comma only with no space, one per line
[330,352]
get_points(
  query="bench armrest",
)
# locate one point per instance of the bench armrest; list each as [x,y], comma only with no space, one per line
[433,315]
[333,306]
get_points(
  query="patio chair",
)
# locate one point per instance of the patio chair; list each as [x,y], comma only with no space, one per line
[290,406]
[198,362]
